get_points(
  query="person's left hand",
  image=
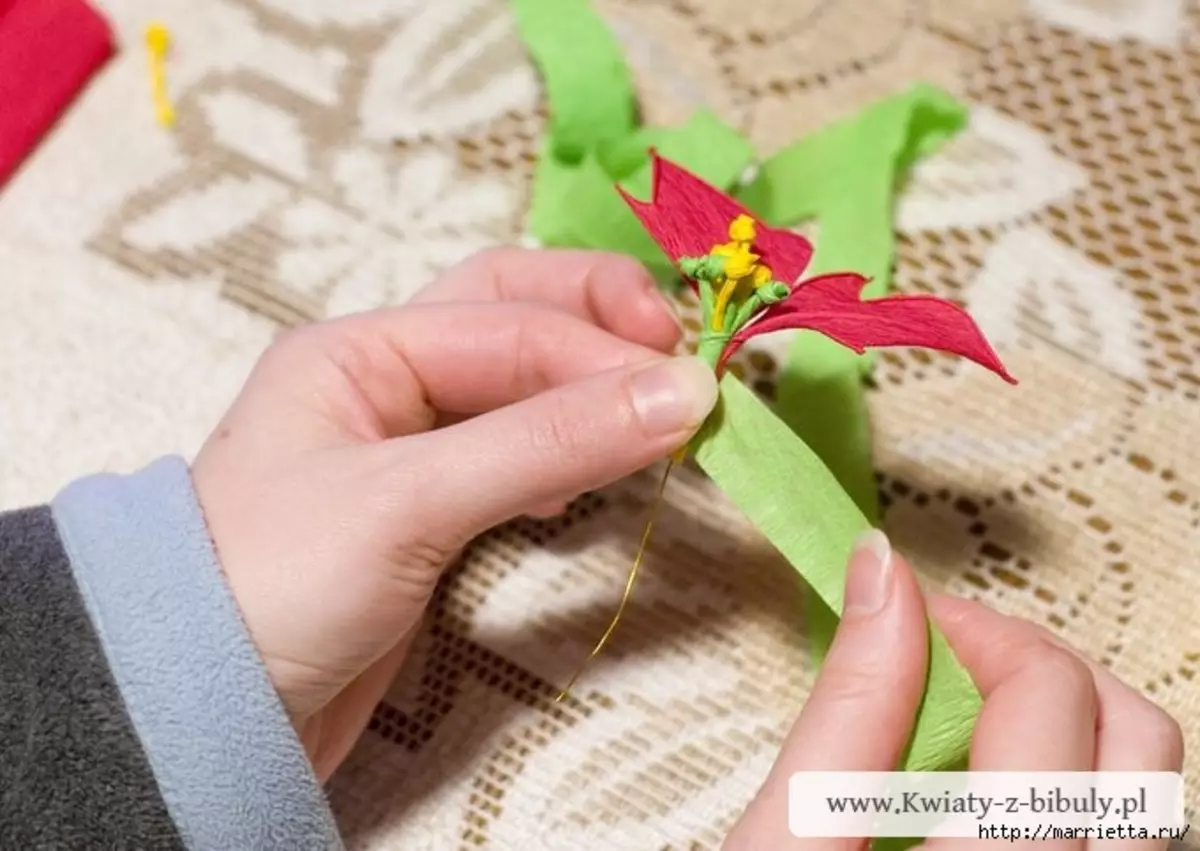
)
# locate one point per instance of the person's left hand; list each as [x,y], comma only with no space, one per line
[364,452]
[1046,707]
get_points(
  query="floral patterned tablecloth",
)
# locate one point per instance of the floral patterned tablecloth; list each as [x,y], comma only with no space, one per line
[333,156]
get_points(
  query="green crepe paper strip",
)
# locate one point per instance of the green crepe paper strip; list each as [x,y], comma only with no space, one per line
[575,205]
[844,176]
[786,491]
[594,141]
[593,144]
[584,72]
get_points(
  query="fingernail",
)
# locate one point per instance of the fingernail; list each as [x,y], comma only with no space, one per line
[673,395]
[869,574]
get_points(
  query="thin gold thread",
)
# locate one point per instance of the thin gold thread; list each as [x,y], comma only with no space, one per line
[630,580]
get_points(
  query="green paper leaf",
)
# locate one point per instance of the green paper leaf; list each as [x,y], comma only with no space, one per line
[587,82]
[844,176]
[785,490]
[578,206]
[704,144]
[593,140]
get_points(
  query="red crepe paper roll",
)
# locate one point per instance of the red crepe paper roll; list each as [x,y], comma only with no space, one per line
[49,49]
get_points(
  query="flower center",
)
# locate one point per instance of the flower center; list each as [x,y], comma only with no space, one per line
[742,271]
[734,287]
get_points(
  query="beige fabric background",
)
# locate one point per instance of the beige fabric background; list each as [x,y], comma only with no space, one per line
[333,155]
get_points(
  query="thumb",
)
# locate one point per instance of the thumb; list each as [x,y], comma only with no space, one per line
[550,447]
[860,714]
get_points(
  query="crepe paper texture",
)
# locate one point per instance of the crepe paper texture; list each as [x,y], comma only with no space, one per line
[574,205]
[585,75]
[788,493]
[48,50]
[781,485]
[844,176]
[749,277]
[594,138]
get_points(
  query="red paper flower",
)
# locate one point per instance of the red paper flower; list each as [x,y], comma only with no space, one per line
[687,217]
[747,275]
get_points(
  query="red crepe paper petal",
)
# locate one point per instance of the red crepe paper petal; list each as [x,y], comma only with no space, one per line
[48,50]
[832,305]
[687,216]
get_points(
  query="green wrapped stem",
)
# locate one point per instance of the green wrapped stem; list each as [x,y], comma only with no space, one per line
[711,345]
[707,270]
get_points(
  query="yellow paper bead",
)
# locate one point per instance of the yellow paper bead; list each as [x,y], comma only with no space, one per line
[158,44]
[742,230]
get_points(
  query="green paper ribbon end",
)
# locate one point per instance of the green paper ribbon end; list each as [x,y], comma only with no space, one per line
[789,494]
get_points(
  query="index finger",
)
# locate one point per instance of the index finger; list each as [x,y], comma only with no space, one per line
[612,291]
[391,371]
[1153,741]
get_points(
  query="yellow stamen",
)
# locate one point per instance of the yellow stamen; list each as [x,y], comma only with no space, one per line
[721,304]
[630,580]
[740,262]
[158,44]
[742,229]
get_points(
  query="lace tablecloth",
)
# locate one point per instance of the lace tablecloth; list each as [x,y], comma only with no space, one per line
[331,156]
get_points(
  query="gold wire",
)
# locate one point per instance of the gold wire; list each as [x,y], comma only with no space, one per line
[633,573]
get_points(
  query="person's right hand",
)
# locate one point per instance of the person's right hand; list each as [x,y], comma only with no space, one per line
[1046,707]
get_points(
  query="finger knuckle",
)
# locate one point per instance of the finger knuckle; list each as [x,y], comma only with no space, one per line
[621,266]
[287,344]
[1171,739]
[559,433]
[537,335]
[424,555]
[421,541]
[1070,674]
[490,258]
[603,271]
[1161,736]
[419,561]
[1043,633]
[853,685]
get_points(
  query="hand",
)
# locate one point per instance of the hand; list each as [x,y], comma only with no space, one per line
[364,452]
[1046,708]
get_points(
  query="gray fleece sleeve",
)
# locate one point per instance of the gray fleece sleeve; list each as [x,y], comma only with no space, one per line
[72,772]
[230,769]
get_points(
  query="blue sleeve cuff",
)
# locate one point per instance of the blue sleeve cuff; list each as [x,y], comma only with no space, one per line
[230,767]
